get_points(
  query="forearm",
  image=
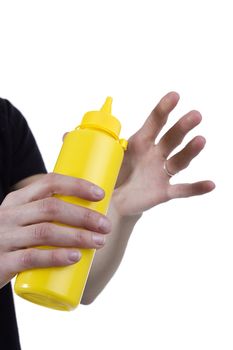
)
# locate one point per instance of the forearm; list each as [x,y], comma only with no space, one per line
[108,258]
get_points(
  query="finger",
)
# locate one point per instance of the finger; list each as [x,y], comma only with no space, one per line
[30,258]
[51,184]
[176,134]
[188,190]
[182,159]
[158,117]
[54,209]
[49,234]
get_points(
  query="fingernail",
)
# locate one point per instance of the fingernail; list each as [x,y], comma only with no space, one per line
[100,240]
[97,191]
[74,255]
[104,224]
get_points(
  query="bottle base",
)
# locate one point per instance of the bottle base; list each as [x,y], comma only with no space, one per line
[47,300]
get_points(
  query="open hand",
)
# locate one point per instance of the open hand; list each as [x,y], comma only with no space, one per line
[143,182]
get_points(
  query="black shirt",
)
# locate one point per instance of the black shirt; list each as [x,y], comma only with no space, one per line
[19,158]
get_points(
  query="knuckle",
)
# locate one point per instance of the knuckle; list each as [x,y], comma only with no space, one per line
[50,205]
[182,125]
[161,109]
[78,237]
[84,187]
[41,231]
[139,138]
[80,182]
[27,258]
[9,199]
[50,180]
[83,183]
[88,217]
[55,257]
[9,196]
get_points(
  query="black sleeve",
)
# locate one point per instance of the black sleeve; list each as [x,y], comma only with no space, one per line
[19,158]
[26,156]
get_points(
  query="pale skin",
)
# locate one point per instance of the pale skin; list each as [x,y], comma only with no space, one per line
[26,215]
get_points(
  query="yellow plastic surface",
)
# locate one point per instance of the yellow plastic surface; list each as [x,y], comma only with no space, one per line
[103,119]
[96,155]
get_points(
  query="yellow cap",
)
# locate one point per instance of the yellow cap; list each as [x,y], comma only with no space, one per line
[103,119]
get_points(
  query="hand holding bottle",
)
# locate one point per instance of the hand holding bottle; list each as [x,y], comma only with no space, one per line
[27,220]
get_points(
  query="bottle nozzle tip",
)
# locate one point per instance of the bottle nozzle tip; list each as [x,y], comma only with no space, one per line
[107,106]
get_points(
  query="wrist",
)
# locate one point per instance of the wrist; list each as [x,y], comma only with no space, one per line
[116,205]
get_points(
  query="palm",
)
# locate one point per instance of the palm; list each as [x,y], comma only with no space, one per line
[142,182]
[142,177]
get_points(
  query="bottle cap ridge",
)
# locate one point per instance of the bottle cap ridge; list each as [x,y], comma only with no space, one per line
[103,119]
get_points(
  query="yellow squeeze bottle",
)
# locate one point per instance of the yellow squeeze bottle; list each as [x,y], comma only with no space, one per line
[94,152]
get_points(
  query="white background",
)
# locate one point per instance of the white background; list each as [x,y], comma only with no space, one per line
[59,59]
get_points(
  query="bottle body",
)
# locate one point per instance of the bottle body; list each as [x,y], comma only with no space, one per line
[94,155]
